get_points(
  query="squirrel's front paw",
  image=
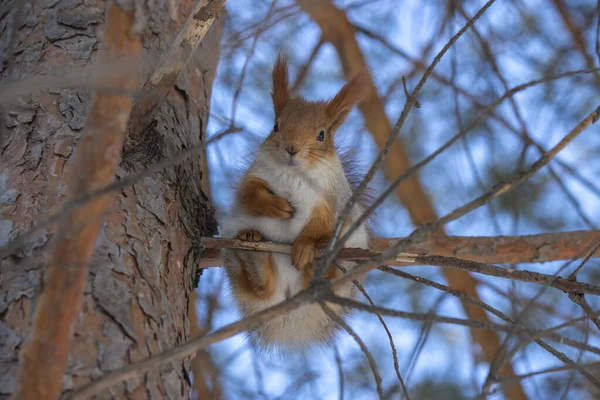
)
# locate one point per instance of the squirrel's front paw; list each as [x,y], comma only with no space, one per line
[251,235]
[278,207]
[303,253]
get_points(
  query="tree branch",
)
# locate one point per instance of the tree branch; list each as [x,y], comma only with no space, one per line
[314,293]
[575,32]
[173,62]
[339,31]
[422,233]
[408,258]
[492,250]
[566,285]
[360,343]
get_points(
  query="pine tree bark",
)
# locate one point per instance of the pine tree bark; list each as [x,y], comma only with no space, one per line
[146,260]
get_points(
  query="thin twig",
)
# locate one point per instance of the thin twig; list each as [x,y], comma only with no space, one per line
[358,340]
[446,145]
[410,101]
[579,298]
[303,72]
[566,285]
[502,356]
[421,233]
[594,250]
[338,361]
[464,297]
[510,379]
[226,132]
[139,368]
[389,335]
[240,84]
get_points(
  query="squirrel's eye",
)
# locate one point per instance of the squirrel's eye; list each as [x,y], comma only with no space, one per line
[276,127]
[321,136]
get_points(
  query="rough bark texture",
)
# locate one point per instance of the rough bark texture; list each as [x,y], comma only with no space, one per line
[44,357]
[145,263]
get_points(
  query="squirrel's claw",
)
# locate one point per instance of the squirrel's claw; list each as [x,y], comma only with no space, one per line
[279,208]
[251,235]
[303,254]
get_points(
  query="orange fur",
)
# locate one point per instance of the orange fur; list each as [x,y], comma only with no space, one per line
[300,161]
[281,91]
[338,108]
[333,271]
[258,275]
[251,235]
[316,233]
[258,200]
[299,121]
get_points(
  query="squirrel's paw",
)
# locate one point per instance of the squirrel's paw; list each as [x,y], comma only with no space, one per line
[251,235]
[303,253]
[278,207]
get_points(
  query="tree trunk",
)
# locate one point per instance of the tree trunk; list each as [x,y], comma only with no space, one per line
[146,260]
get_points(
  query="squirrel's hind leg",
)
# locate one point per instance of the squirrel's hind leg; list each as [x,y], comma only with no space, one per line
[252,272]
[258,271]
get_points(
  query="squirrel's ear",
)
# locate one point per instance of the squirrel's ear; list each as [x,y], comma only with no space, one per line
[337,109]
[281,91]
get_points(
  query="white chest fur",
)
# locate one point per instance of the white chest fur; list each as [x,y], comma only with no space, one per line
[302,190]
[308,324]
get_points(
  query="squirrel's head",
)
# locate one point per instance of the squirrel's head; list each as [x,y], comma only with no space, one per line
[303,132]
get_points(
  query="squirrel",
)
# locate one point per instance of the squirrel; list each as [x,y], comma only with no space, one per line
[293,192]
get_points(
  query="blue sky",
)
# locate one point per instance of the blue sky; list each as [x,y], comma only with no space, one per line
[449,180]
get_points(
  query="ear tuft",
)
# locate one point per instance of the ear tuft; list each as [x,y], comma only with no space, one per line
[347,97]
[281,91]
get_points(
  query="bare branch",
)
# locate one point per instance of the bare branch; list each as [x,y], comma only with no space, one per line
[362,345]
[579,298]
[492,250]
[446,145]
[575,32]
[421,233]
[303,72]
[389,335]
[173,62]
[566,285]
[338,361]
[238,89]
[510,379]
[314,293]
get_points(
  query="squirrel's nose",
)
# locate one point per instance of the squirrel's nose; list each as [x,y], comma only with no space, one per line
[293,150]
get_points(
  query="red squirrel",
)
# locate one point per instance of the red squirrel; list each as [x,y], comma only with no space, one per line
[293,192]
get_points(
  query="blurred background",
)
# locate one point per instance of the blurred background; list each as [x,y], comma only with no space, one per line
[515,42]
